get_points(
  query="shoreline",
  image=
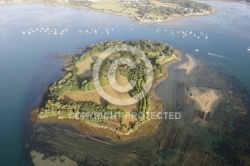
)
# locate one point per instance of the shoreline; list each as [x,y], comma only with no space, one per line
[174,59]
[131,17]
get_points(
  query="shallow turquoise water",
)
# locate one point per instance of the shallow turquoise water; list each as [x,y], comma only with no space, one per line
[28,64]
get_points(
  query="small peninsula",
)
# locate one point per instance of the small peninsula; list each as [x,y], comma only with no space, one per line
[75,94]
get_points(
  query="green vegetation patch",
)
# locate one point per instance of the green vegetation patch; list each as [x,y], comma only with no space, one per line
[55,104]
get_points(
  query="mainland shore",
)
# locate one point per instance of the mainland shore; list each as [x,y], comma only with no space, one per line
[131,16]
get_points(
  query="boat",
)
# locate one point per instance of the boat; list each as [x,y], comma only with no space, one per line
[248,49]
[196,50]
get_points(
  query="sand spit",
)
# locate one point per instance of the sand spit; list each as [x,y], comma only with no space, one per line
[190,65]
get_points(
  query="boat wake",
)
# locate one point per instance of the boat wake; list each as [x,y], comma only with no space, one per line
[219,56]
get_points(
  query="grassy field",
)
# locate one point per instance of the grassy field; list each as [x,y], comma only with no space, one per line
[84,66]
[113,5]
[157,3]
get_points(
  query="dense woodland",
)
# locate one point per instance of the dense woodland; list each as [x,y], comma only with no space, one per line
[53,106]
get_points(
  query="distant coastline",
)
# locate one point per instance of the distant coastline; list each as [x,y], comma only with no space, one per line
[131,16]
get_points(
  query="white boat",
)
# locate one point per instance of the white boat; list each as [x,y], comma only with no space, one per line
[196,50]
[248,49]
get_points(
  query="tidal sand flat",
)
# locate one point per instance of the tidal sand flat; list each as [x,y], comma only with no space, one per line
[204,96]
[40,160]
[189,65]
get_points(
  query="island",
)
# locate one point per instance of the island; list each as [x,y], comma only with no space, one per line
[212,130]
[145,11]
[75,96]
